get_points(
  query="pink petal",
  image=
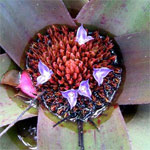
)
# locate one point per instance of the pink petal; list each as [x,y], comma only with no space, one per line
[84,89]
[26,85]
[100,73]
[81,36]
[71,96]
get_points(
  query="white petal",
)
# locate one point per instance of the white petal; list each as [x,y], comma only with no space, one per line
[41,79]
[81,36]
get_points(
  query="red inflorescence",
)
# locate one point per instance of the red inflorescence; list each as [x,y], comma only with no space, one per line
[71,64]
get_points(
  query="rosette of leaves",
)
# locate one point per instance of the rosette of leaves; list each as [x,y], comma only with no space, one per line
[126,21]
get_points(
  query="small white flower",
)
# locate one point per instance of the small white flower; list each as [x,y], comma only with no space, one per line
[71,96]
[84,89]
[81,36]
[100,73]
[45,73]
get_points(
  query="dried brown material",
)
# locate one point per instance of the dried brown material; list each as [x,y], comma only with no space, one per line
[11,78]
[72,63]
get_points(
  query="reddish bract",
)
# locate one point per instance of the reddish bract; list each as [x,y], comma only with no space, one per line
[26,85]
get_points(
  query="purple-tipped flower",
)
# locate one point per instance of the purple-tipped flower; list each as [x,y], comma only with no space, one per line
[84,89]
[71,96]
[45,73]
[100,73]
[81,36]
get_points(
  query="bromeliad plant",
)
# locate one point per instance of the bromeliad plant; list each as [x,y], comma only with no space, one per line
[72,72]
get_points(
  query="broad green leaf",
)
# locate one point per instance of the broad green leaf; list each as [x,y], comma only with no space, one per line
[135,49]
[74,6]
[117,16]
[6,143]
[10,106]
[139,128]
[20,20]
[112,135]
[54,138]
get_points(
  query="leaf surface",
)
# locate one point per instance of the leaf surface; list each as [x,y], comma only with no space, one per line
[10,106]
[4,143]
[135,49]
[117,16]
[112,135]
[20,20]
[138,126]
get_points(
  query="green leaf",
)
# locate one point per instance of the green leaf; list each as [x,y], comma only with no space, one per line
[135,49]
[20,20]
[74,6]
[10,106]
[112,135]
[6,64]
[139,128]
[5,140]
[117,16]
[54,138]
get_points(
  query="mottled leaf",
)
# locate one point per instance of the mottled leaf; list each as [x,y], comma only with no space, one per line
[54,138]
[135,49]
[10,106]
[20,20]
[138,126]
[117,16]
[112,135]
[74,6]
